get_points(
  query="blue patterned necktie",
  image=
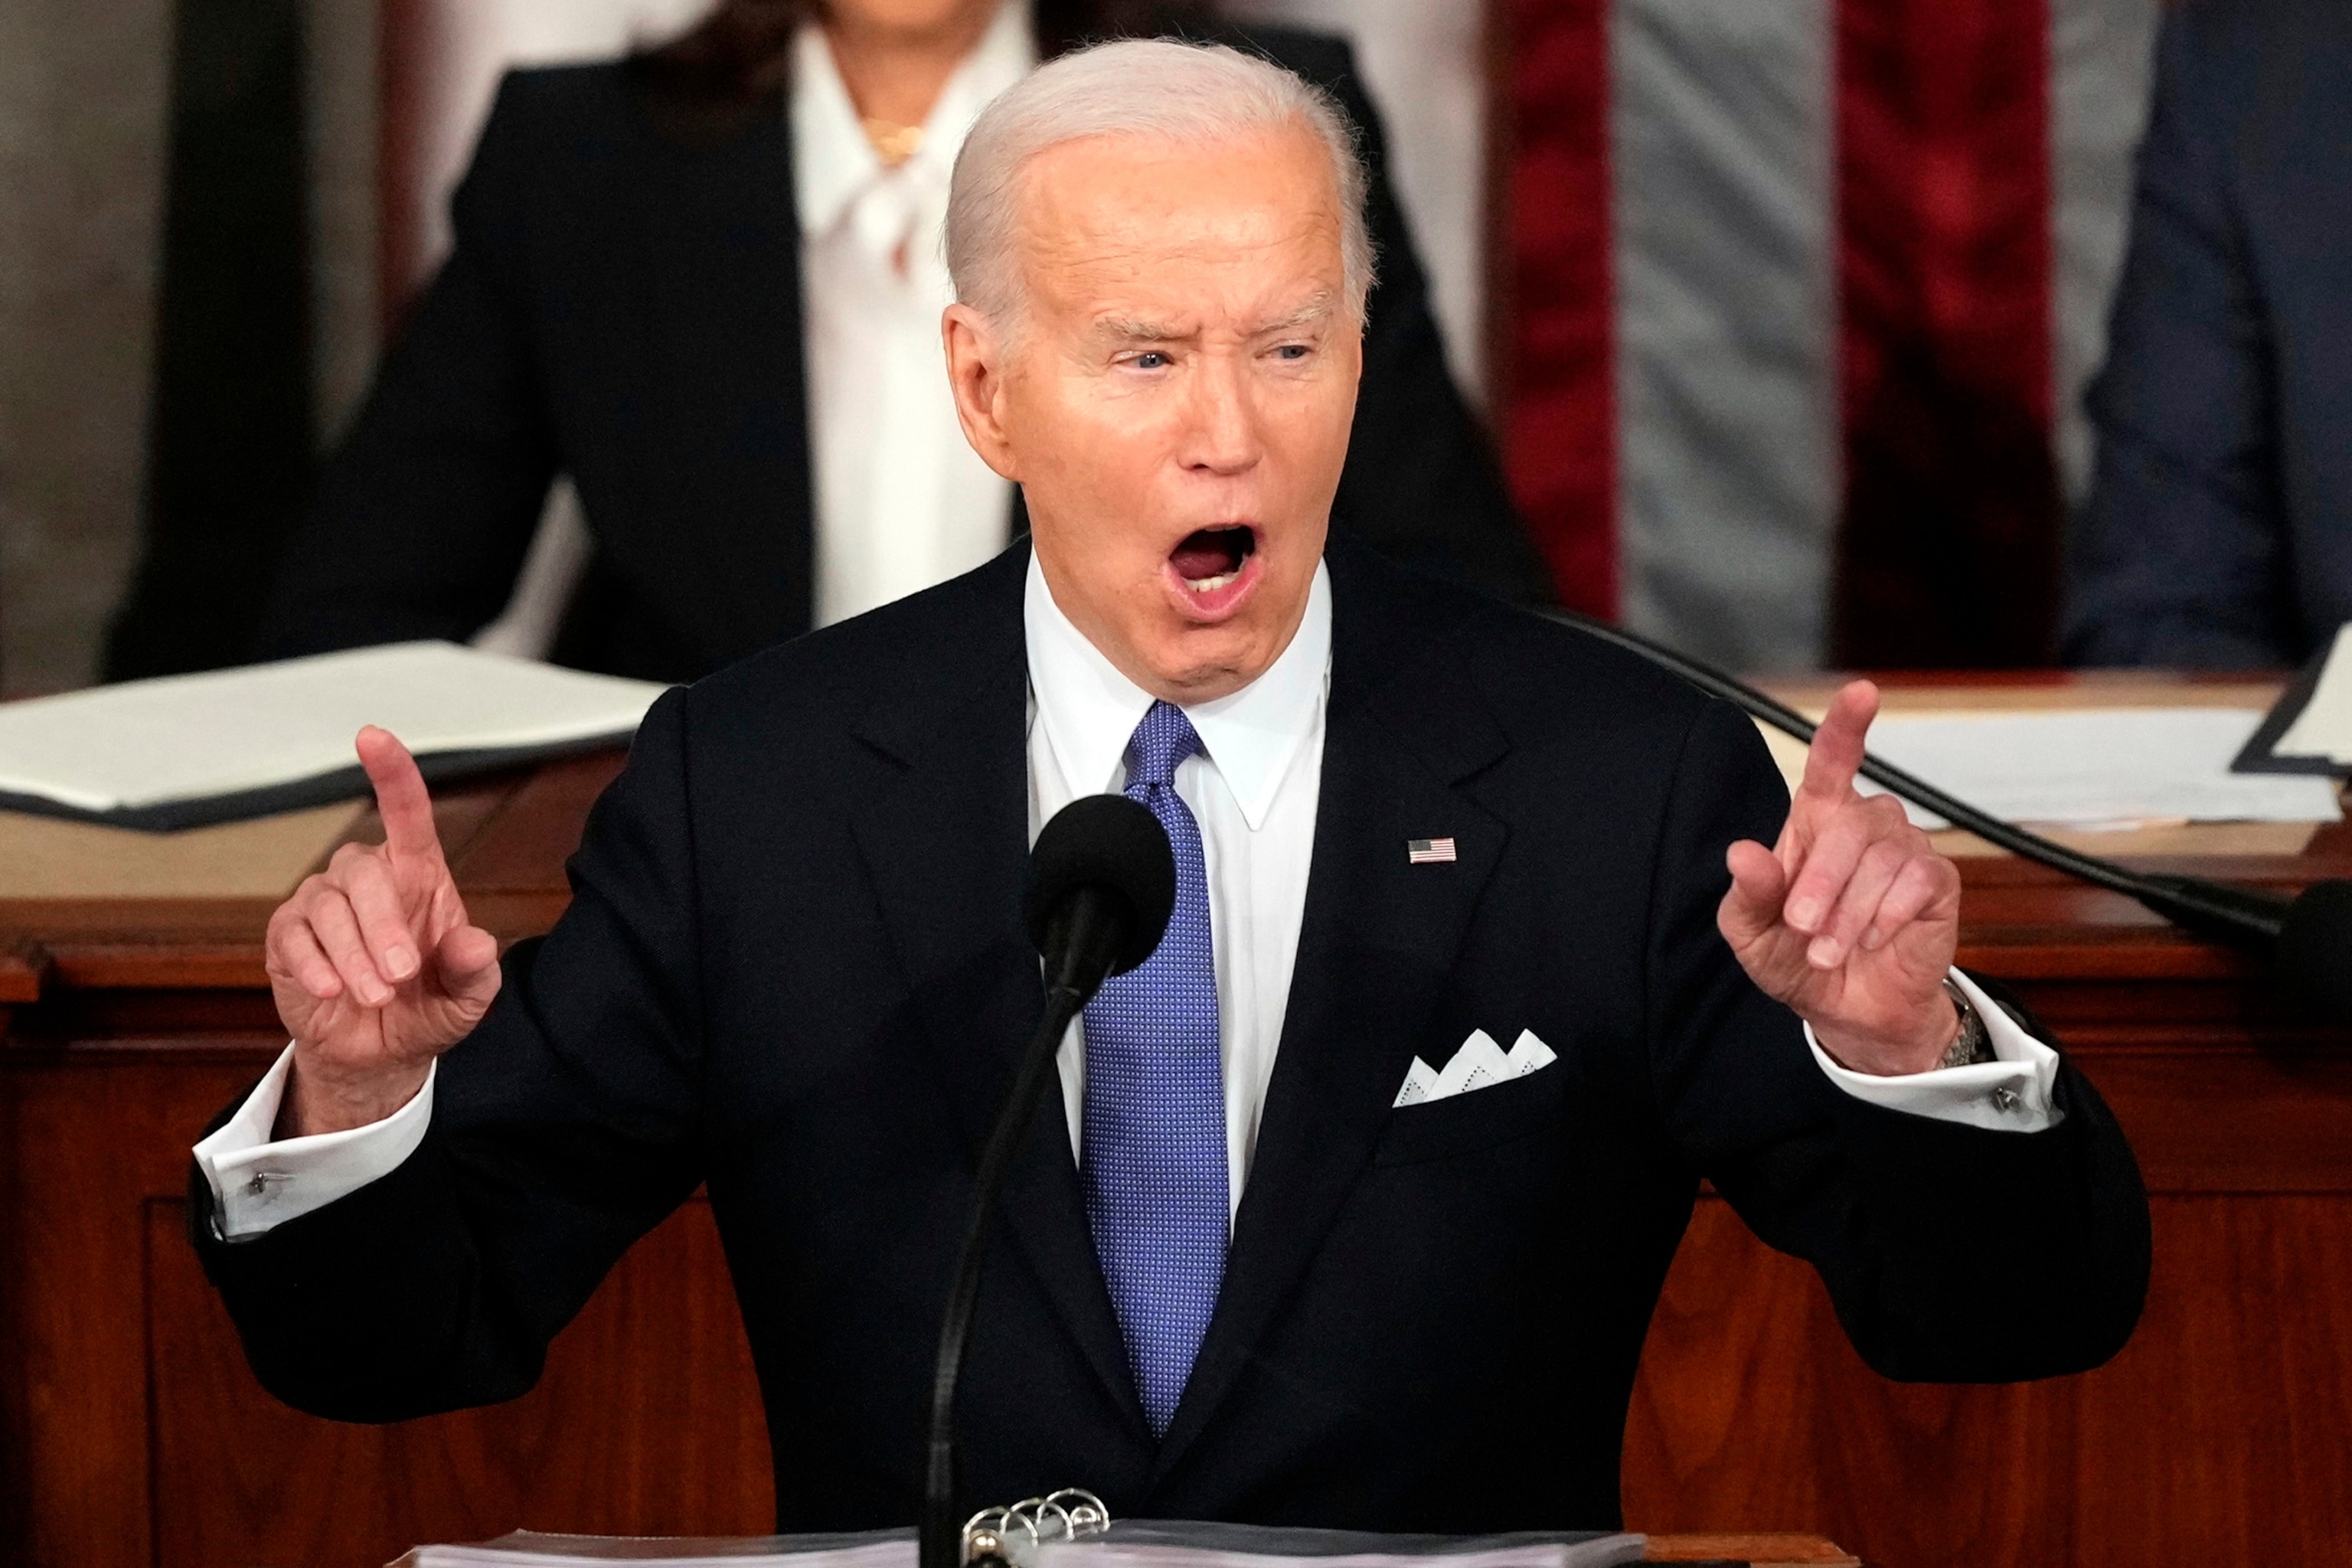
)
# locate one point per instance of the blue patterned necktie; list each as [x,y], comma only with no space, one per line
[1153,1142]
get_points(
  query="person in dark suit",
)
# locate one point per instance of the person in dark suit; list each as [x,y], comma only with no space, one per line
[1310,1244]
[2219,529]
[646,280]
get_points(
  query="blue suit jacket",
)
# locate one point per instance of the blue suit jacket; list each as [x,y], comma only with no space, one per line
[794,968]
[2219,529]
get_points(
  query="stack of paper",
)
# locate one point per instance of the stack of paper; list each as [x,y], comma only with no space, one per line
[529,1549]
[188,750]
[2120,767]
[1152,1544]
[1129,1544]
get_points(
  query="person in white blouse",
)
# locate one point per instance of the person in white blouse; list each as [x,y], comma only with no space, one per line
[902,500]
[705,285]
[1292,1262]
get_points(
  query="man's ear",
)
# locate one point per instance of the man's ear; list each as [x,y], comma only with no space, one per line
[977,369]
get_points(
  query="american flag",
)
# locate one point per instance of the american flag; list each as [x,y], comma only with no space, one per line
[1428,851]
[1804,298]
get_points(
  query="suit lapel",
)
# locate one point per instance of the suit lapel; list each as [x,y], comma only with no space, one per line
[947,848]
[1375,951]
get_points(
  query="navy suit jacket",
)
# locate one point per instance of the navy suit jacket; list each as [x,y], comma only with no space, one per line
[623,306]
[2219,529]
[794,969]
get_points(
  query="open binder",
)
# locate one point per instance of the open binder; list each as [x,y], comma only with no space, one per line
[188,750]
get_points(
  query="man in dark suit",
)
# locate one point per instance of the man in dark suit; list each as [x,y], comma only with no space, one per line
[2219,529]
[625,305]
[1309,1245]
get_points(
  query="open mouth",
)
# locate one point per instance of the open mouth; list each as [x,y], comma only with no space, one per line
[1209,559]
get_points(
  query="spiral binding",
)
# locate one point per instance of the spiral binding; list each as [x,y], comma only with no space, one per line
[1012,1533]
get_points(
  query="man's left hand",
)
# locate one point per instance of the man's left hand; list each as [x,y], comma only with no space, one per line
[1852,917]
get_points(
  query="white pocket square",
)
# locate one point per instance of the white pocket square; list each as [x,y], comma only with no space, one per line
[1479,1064]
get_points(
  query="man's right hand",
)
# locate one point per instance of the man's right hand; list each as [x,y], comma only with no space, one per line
[376,969]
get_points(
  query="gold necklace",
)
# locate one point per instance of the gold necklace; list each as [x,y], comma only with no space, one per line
[893,143]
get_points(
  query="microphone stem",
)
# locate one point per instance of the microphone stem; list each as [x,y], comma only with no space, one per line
[941,1535]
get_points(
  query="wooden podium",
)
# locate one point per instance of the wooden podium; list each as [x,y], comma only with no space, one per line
[131,1432]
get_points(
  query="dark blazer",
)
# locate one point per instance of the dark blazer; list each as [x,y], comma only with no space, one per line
[624,305]
[2219,531]
[794,969]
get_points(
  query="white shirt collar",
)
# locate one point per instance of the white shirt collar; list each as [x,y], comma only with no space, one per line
[1090,711]
[832,161]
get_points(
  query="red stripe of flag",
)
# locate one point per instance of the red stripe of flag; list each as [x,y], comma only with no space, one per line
[1947,551]
[1558,383]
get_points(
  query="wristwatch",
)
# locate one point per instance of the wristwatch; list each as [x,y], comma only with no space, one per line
[1975,1044]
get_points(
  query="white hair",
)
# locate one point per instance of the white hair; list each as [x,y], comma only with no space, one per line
[1196,93]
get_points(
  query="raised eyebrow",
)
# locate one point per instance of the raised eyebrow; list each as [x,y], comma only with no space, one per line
[1120,329]
[1313,313]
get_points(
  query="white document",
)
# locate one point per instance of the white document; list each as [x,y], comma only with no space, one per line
[1153,1545]
[1479,1063]
[1149,1545]
[529,1549]
[2324,728]
[190,737]
[2115,767]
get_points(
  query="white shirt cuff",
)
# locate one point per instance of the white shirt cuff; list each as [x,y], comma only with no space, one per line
[2010,1093]
[257,1184]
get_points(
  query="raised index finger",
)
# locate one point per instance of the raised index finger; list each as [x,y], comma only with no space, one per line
[400,796]
[1835,755]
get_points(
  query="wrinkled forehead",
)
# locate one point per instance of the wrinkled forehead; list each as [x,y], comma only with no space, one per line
[1243,219]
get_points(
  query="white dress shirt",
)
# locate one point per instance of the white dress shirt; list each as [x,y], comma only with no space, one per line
[1252,789]
[902,500]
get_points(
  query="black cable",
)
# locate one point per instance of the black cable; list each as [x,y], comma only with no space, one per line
[2244,917]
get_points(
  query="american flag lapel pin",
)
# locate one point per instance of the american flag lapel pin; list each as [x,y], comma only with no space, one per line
[1428,851]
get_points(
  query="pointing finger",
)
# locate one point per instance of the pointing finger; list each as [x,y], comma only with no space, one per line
[1835,755]
[400,796]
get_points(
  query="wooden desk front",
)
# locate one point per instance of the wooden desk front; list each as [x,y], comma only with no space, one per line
[131,1432]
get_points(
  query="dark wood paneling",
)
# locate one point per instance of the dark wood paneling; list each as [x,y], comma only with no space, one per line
[648,1421]
[84,1144]
[2219,1435]
[536,828]
[2208,1117]
[135,1435]
[1764,1550]
[22,968]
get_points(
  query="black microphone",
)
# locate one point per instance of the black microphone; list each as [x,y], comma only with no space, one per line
[2308,938]
[1102,880]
